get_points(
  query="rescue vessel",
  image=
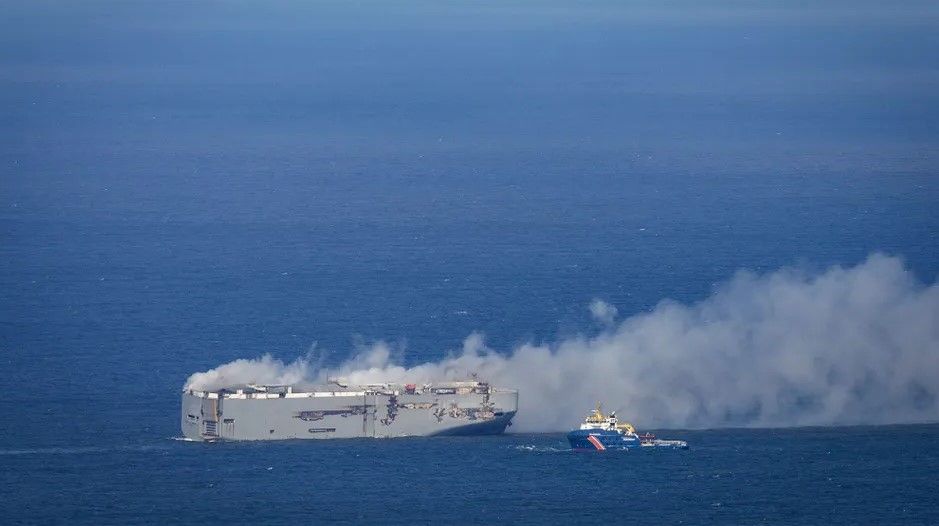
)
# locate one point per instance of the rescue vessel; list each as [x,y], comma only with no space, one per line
[600,432]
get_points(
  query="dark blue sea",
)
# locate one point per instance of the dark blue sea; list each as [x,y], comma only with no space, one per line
[183,184]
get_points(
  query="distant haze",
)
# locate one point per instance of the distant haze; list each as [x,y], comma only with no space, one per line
[847,346]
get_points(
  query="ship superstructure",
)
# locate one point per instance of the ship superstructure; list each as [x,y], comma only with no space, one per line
[337,410]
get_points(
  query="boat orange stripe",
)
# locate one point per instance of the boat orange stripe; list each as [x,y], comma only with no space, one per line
[596,443]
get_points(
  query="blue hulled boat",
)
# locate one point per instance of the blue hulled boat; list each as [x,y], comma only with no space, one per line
[600,432]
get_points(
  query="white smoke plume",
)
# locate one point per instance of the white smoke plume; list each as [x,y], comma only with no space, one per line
[848,346]
[603,312]
[264,371]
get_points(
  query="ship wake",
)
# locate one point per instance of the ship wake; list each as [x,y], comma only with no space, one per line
[856,345]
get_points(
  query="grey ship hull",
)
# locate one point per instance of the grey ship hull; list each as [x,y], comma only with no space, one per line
[210,416]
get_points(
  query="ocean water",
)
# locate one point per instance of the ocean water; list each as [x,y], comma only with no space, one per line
[855,475]
[182,185]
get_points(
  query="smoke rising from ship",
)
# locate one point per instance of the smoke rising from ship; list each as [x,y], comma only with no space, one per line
[855,345]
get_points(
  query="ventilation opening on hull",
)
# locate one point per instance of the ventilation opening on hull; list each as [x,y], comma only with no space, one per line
[211,428]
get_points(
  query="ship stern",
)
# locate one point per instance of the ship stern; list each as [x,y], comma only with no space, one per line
[192,421]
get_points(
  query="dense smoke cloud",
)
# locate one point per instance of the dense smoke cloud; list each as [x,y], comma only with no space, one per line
[847,346]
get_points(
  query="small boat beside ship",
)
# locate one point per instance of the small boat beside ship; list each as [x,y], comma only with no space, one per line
[600,432]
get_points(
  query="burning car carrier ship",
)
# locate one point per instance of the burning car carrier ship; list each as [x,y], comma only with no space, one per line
[337,410]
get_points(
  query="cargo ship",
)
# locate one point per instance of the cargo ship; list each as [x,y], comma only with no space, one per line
[338,410]
[600,432]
